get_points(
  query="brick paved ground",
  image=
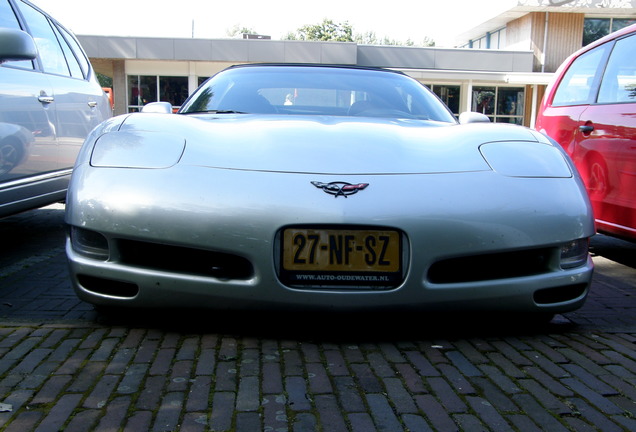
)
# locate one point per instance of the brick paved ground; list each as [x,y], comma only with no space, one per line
[65,367]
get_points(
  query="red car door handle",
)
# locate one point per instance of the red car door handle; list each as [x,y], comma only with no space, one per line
[586,128]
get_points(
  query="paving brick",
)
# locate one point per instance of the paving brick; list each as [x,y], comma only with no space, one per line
[275,413]
[590,380]
[25,421]
[416,423]
[248,396]
[615,357]
[180,376]
[226,379]
[318,378]
[115,415]
[272,382]
[188,349]
[296,389]
[542,417]
[468,422]
[83,421]
[132,379]
[547,399]
[596,399]
[594,417]
[292,362]
[146,351]
[421,364]
[505,365]
[555,386]
[163,361]
[139,421]
[310,352]
[206,362]
[382,413]
[148,399]
[457,380]
[464,365]
[447,396]
[64,350]
[511,353]
[380,366]
[435,413]
[222,411]
[51,389]
[488,414]
[348,394]
[353,353]
[523,423]
[87,377]
[198,398]
[305,422]
[399,396]
[169,413]
[93,338]
[583,361]
[120,361]
[59,413]
[330,416]
[194,422]
[37,377]
[336,364]
[494,395]
[248,422]
[366,379]
[413,381]
[102,391]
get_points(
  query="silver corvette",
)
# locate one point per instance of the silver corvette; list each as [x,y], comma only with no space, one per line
[299,186]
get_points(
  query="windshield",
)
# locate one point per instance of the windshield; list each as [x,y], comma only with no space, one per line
[300,90]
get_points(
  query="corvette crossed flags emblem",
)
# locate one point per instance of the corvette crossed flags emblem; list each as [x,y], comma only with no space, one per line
[340,188]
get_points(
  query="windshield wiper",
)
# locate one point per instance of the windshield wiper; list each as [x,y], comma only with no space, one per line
[216,112]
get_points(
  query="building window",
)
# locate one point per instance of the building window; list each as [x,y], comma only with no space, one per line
[500,104]
[143,89]
[449,94]
[596,28]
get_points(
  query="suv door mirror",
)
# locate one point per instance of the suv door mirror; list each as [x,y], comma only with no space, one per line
[16,45]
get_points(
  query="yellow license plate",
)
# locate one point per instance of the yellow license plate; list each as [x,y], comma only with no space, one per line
[349,251]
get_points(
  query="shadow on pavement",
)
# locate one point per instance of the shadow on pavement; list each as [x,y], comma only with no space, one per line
[337,327]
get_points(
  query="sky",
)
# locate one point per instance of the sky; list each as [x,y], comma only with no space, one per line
[440,20]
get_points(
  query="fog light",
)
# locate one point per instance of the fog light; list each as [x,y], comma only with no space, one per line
[91,244]
[574,253]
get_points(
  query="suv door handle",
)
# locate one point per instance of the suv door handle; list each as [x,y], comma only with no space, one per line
[46,99]
[92,104]
[586,128]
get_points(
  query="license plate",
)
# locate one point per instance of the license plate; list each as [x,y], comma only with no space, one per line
[341,257]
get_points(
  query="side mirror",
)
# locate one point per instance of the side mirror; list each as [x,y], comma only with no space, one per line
[158,108]
[16,45]
[473,117]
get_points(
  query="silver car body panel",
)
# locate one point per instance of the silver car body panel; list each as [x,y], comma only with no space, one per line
[231,183]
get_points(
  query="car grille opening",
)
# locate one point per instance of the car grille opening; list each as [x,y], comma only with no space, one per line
[559,294]
[198,262]
[108,287]
[495,266]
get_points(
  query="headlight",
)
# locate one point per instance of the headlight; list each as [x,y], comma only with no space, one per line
[137,149]
[90,244]
[525,159]
[574,253]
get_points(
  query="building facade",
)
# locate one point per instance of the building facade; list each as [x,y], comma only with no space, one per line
[501,68]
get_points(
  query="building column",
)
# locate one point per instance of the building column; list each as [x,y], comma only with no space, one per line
[120,86]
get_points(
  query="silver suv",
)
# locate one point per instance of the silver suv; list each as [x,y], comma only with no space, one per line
[50,100]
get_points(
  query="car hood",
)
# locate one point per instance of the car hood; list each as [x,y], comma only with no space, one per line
[322,145]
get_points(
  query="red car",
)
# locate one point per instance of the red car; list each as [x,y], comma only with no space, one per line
[590,110]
